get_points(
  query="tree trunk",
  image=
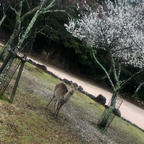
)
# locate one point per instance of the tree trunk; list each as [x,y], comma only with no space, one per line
[16,82]
[32,22]
[113,99]
[103,124]
[106,119]
[5,63]
[15,33]
[5,69]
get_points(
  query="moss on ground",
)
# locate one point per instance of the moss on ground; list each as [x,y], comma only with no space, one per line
[120,130]
[27,127]
[129,132]
[28,122]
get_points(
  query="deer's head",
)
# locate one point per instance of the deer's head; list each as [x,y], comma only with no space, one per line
[73,88]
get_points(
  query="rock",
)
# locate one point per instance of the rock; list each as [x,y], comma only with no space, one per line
[75,84]
[117,112]
[67,81]
[101,99]
[42,67]
[32,62]
[80,88]
[89,95]
[106,106]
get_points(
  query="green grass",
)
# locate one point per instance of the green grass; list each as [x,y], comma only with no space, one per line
[27,122]
[119,127]
[119,130]
[2,97]
[127,131]
[27,127]
[41,74]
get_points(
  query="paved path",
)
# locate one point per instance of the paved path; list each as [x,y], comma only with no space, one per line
[128,110]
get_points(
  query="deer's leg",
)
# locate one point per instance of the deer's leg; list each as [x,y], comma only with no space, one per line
[60,104]
[57,109]
[54,105]
[50,101]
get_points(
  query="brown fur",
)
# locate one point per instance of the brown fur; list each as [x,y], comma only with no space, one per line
[60,90]
[61,96]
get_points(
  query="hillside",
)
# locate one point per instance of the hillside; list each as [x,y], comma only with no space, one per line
[27,122]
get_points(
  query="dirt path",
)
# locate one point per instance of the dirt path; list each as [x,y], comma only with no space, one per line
[128,110]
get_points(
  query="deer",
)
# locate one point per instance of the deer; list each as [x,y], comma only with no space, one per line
[61,95]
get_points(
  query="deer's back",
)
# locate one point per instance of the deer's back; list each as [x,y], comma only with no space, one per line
[60,90]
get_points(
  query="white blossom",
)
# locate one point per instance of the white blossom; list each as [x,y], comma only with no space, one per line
[119,28]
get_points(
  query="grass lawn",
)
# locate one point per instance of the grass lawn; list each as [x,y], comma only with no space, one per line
[27,122]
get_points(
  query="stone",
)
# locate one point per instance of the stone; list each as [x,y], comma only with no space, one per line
[117,112]
[67,81]
[42,67]
[32,62]
[80,88]
[101,99]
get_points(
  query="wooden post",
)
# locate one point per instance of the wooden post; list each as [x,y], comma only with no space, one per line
[17,81]
[12,54]
[5,63]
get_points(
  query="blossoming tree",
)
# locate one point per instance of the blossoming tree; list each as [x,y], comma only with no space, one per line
[117,29]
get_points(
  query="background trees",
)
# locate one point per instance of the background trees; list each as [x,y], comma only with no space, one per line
[50,36]
[43,7]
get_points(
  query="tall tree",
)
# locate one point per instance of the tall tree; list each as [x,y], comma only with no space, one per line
[117,29]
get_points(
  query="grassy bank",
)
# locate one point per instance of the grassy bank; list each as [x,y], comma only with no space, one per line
[27,122]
